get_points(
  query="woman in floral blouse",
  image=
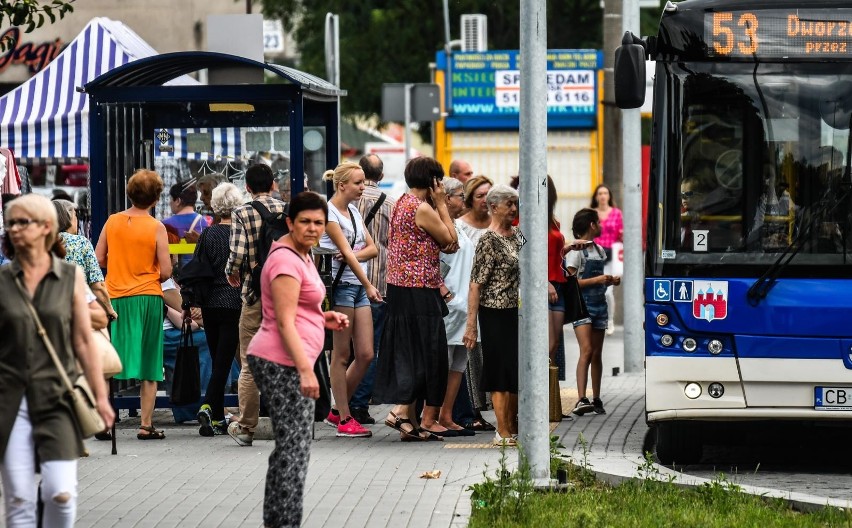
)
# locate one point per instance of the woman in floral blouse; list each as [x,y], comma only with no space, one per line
[493,298]
[79,250]
[413,363]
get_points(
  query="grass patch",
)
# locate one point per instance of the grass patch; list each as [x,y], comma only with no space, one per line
[507,499]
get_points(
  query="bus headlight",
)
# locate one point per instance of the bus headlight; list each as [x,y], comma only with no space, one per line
[662,319]
[715,346]
[716,390]
[692,390]
[689,344]
[666,340]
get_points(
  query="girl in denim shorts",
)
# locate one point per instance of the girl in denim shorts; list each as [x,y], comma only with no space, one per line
[588,264]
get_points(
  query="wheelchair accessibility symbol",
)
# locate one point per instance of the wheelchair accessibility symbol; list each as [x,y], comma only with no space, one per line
[662,290]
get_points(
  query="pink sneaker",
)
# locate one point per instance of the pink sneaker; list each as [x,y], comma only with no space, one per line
[332,419]
[351,428]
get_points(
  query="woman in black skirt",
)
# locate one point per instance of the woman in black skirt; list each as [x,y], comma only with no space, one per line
[413,361]
[493,297]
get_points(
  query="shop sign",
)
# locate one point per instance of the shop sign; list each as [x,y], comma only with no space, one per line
[35,56]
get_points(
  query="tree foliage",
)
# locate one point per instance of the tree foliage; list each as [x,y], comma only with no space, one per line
[386,41]
[31,14]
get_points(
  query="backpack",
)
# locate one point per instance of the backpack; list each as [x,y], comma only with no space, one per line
[196,277]
[272,227]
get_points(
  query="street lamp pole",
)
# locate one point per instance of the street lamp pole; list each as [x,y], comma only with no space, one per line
[533,400]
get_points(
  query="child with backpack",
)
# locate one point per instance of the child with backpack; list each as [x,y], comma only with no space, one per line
[588,265]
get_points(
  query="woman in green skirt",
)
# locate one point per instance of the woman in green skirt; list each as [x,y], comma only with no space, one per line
[134,249]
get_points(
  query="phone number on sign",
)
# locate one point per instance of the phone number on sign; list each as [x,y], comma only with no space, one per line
[562,97]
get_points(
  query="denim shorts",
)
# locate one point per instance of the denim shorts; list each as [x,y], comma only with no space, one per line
[559,305]
[350,296]
[597,316]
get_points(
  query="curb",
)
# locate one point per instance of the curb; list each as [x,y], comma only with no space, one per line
[619,471]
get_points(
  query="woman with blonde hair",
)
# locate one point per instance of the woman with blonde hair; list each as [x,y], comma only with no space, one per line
[134,249]
[351,291]
[38,429]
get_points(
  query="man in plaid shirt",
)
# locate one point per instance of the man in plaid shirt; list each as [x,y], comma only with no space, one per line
[245,231]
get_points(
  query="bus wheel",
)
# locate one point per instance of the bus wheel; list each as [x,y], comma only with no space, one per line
[679,442]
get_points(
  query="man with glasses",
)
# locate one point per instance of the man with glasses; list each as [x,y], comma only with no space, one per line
[376,208]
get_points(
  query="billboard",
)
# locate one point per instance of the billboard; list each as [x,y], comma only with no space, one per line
[482,88]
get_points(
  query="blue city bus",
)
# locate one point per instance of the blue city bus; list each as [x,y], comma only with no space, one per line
[748,298]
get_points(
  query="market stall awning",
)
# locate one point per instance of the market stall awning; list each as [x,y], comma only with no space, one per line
[46,119]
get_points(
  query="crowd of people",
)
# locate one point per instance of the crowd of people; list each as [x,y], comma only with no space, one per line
[422,309]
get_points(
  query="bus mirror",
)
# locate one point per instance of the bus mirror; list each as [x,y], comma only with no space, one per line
[630,73]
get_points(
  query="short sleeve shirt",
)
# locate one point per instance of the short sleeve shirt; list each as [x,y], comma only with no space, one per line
[310,321]
[334,215]
[79,251]
[496,267]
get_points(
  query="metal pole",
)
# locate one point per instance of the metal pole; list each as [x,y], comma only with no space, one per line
[533,346]
[634,351]
[336,25]
[408,88]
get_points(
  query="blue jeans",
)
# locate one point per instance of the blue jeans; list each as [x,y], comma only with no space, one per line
[361,398]
[171,341]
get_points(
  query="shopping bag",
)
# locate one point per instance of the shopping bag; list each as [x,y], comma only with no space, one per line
[186,385]
[555,396]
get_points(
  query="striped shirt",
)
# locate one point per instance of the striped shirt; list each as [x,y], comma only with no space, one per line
[245,230]
[377,268]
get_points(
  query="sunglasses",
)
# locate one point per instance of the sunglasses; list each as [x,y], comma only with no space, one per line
[687,194]
[23,222]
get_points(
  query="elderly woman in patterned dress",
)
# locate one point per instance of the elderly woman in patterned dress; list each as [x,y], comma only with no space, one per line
[493,300]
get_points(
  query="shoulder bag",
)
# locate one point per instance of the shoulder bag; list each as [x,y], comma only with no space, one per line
[110,362]
[79,393]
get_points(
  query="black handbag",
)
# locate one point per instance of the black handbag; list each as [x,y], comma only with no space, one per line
[186,384]
[575,306]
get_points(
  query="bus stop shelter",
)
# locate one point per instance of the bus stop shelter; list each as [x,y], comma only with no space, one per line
[183,132]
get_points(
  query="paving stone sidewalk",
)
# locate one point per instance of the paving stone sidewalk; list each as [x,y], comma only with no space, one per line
[187,481]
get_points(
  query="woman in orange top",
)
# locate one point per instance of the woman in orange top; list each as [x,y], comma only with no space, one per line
[134,249]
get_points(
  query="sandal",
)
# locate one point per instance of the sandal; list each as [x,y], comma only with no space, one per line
[479,425]
[397,422]
[430,436]
[152,434]
[408,435]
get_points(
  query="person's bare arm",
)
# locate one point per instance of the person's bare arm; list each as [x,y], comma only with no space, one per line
[163,257]
[348,256]
[436,221]
[470,333]
[370,250]
[101,292]
[101,250]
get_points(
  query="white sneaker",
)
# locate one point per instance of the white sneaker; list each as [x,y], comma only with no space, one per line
[235,431]
[610,328]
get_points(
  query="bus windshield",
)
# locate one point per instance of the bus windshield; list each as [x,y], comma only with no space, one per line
[753,158]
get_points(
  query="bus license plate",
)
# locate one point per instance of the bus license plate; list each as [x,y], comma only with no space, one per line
[833,398]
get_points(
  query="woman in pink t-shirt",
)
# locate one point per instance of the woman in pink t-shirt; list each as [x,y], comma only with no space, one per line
[282,354]
[612,231]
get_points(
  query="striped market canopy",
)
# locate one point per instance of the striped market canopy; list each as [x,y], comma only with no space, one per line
[45,119]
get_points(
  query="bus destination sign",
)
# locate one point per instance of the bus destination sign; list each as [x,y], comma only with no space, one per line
[779,33]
